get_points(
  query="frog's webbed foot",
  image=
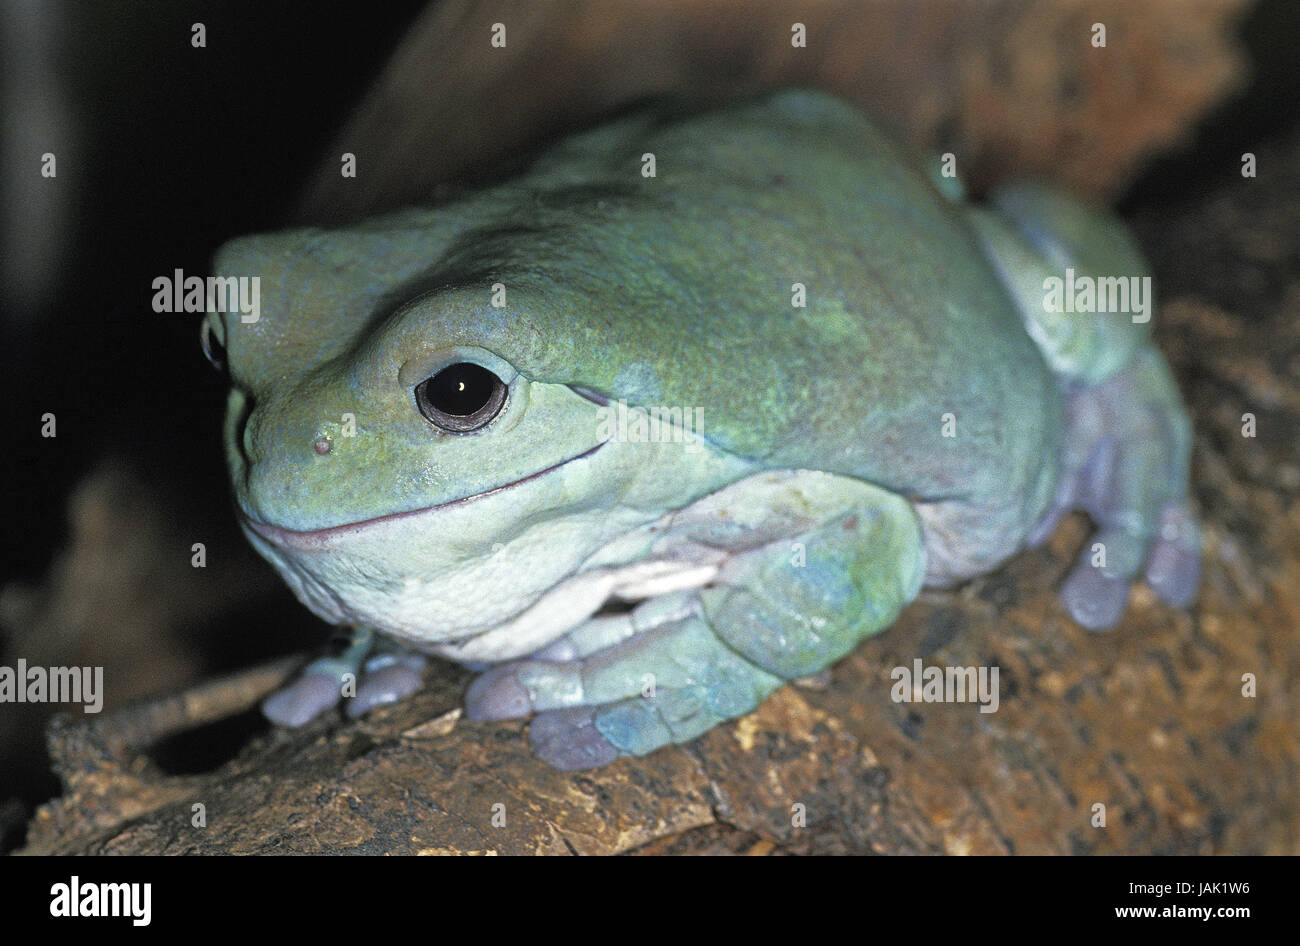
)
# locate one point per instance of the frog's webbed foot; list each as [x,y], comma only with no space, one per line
[680,664]
[381,675]
[1126,466]
[624,686]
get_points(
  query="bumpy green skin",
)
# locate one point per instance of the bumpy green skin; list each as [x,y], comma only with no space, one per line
[824,491]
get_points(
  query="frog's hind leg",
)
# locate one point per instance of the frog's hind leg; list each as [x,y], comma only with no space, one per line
[1128,440]
[1126,466]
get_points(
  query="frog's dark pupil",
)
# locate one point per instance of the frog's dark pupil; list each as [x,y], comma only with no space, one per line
[461,397]
[462,389]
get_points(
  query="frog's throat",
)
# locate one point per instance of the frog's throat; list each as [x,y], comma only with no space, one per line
[313,539]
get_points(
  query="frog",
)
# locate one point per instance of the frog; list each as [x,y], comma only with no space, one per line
[682,411]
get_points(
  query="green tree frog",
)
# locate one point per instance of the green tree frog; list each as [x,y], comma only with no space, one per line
[684,411]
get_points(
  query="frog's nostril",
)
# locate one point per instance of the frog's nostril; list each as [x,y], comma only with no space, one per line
[323,445]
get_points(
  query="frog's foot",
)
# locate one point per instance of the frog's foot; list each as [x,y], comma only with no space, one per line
[388,676]
[679,664]
[624,686]
[1126,466]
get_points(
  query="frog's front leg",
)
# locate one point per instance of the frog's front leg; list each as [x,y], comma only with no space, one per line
[680,664]
[387,674]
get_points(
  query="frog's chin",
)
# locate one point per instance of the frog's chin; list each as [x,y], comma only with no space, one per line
[315,539]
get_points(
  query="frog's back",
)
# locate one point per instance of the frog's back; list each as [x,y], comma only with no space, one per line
[686,281]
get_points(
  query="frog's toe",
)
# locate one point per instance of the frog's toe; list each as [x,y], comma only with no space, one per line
[1096,596]
[303,700]
[497,694]
[574,671]
[516,689]
[389,683]
[568,739]
[1173,568]
[1096,591]
[1093,599]
[588,736]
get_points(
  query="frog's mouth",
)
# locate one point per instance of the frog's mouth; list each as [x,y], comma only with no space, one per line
[315,539]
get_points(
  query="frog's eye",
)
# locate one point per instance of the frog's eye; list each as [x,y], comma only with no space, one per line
[213,350]
[461,397]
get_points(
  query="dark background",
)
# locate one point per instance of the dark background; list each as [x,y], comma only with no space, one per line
[177,150]
[169,151]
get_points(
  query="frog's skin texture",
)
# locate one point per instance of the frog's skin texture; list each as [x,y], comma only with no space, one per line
[820,494]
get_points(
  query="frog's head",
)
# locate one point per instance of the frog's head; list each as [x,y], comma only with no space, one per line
[406,452]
